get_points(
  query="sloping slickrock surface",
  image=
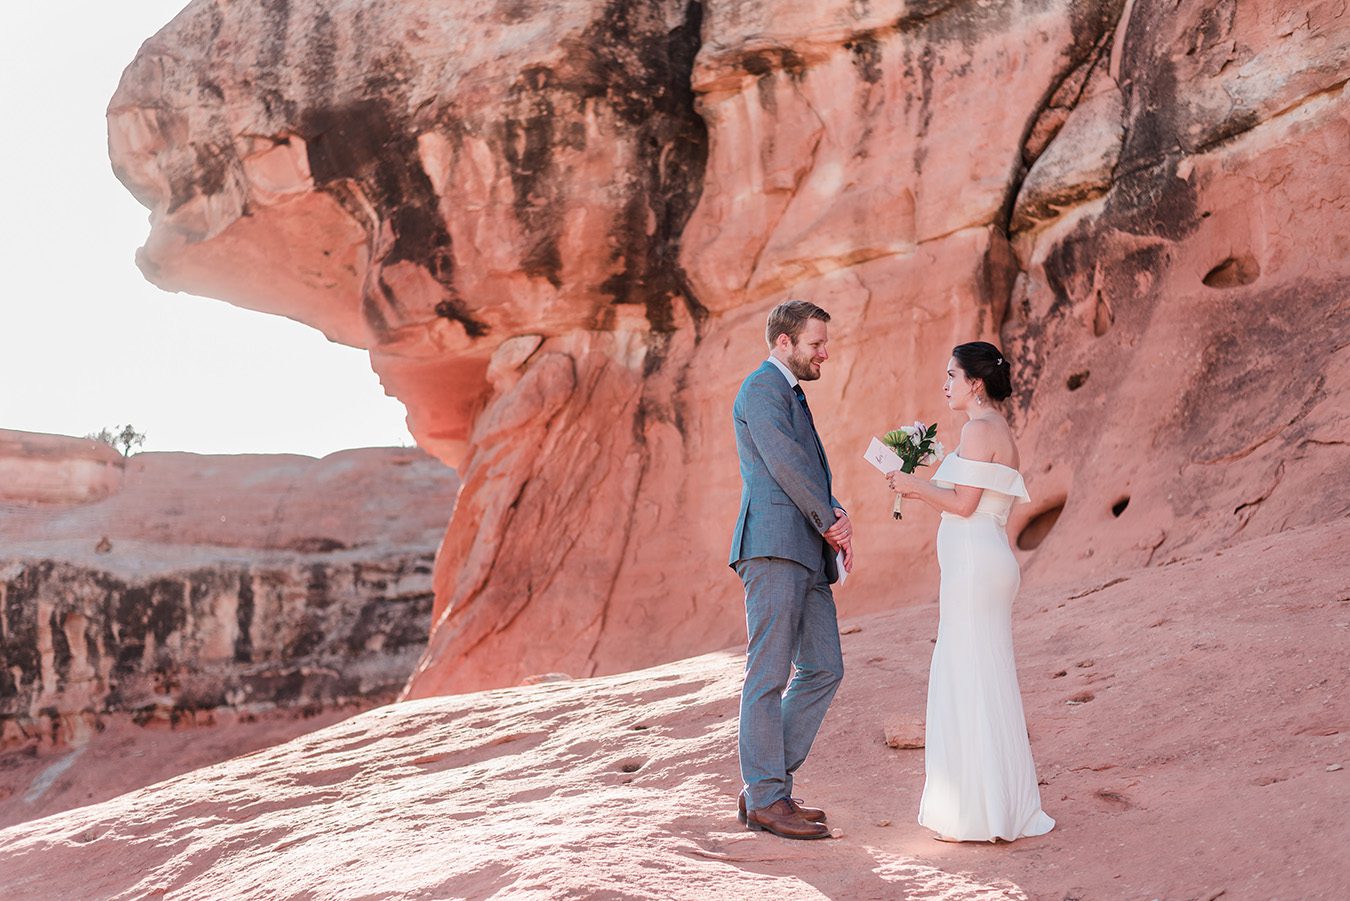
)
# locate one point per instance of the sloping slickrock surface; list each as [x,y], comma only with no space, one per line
[1189,723]
[126,752]
[558,228]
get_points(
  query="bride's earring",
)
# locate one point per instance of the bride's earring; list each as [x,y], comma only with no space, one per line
[979,399]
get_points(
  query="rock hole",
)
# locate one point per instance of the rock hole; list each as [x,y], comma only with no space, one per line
[1119,506]
[1234,272]
[1104,318]
[1077,379]
[1035,531]
[631,766]
[639,727]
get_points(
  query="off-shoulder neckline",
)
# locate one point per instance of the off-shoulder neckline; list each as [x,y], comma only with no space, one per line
[984,462]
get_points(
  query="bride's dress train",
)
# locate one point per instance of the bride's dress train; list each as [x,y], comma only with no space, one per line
[981,781]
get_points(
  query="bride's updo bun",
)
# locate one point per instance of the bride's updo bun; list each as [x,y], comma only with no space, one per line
[982,360]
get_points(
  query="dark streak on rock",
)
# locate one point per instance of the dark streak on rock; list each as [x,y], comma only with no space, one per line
[243,640]
[921,13]
[19,644]
[319,65]
[61,655]
[764,87]
[275,29]
[865,52]
[766,62]
[456,311]
[646,75]
[168,610]
[211,163]
[207,86]
[361,143]
[397,621]
[1154,202]
[925,104]
[628,61]
[318,591]
[527,145]
[280,109]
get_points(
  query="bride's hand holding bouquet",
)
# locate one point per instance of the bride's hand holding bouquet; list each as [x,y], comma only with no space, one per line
[916,445]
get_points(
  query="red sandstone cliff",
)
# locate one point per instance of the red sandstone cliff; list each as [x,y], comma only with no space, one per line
[557,229]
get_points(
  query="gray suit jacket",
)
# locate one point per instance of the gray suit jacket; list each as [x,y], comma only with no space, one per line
[786,502]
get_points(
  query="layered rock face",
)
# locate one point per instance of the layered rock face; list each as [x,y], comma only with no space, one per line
[558,230]
[204,586]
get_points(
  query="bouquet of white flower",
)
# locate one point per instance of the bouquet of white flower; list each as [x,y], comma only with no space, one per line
[916,445]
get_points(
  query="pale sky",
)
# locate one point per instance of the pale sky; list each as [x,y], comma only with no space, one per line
[85,340]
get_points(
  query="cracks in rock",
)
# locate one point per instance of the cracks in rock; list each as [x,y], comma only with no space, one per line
[1276,431]
[453,609]
[1121,31]
[1253,504]
[862,319]
[644,458]
[1243,126]
[796,185]
[1152,551]
[603,619]
[978,225]
[1082,67]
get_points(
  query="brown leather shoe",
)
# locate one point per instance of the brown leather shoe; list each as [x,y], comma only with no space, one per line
[782,820]
[810,814]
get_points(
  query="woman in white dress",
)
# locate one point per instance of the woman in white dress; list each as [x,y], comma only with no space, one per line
[980,781]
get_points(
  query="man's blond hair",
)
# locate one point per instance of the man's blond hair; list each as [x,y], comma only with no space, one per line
[790,317]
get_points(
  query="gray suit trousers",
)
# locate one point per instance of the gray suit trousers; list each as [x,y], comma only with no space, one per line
[793,666]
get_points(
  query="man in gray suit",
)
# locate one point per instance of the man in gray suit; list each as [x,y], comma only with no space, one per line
[784,549]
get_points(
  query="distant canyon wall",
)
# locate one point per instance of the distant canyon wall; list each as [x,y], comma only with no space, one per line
[190,585]
[557,229]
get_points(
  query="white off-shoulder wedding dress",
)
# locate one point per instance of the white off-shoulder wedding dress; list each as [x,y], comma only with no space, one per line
[980,779]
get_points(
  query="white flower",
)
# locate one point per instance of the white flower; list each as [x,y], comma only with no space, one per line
[938,450]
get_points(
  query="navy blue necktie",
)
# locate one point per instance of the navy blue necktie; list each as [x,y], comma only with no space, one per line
[820,448]
[801,398]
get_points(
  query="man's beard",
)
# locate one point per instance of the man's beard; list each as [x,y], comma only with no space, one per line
[800,366]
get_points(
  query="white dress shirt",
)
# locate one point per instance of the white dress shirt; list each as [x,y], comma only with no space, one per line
[787,373]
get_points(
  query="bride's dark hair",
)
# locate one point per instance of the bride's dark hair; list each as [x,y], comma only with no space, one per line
[982,360]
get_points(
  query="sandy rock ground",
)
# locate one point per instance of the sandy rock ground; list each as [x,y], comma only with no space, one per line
[38,781]
[1189,723]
